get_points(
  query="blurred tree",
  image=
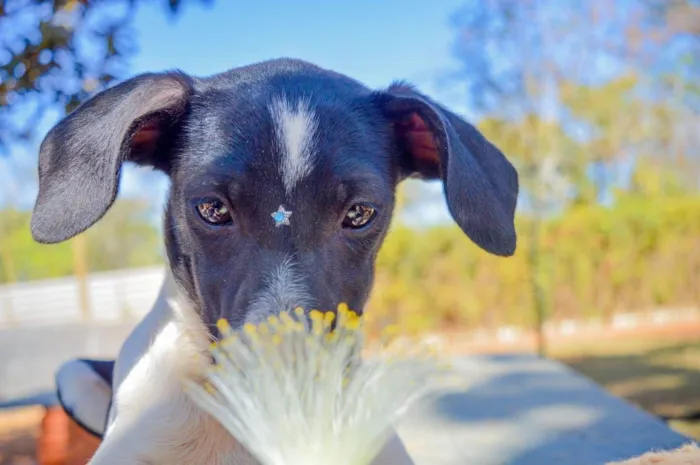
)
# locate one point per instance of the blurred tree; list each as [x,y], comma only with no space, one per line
[22,257]
[10,221]
[125,237]
[572,90]
[652,179]
[536,146]
[677,16]
[598,68]
[644,132]
[56,53]
[511,53]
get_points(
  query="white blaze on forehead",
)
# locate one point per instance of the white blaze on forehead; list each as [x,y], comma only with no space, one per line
[284,290]
[295,127]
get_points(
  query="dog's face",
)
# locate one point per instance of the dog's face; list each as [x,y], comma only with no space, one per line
[246,148]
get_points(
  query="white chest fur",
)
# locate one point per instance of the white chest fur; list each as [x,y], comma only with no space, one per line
[153,421]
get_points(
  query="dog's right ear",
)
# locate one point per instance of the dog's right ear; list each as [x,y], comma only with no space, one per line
[81,157]
[480,184]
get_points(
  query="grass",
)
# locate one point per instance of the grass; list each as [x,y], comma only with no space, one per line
[18,434]
[661,376]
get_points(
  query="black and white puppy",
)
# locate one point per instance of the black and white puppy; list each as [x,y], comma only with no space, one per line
[283,178]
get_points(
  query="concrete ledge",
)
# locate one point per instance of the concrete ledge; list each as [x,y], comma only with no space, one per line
[522,410]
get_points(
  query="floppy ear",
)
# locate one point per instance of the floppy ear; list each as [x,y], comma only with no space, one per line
[481,185]
[80,159]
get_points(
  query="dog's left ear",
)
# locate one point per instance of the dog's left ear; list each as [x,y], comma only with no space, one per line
[481,185]
[81,157]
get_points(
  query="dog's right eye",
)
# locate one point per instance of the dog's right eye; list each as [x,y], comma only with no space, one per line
[214,212]
[359,216]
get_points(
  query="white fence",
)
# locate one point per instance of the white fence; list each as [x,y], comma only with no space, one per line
[112,296]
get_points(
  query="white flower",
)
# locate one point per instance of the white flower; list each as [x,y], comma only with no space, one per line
[299,393]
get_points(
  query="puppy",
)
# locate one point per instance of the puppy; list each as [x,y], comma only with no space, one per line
[282,185]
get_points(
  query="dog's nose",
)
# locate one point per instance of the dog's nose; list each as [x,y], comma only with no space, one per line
[283,287]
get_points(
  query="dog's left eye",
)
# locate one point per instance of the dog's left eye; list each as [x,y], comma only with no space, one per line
[214,212]
[359,215]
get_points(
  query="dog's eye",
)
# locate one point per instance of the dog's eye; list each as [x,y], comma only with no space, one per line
[359,215]
[214,212]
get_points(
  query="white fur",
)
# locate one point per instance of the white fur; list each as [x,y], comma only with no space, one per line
[141,338]
[295,129]
[153,421]
[284,290]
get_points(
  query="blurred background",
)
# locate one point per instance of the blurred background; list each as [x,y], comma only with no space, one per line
[597,103]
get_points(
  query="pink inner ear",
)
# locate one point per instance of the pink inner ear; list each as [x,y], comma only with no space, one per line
[420,141]
[145,138]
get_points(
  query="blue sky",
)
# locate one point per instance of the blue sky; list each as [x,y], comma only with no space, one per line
[374,42]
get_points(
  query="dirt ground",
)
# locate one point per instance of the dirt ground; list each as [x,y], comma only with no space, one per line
[660,376]
[19,430]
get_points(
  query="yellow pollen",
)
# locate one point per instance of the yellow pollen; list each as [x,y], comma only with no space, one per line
[223,325]
[250,329]
[263,329]
[286,319]
[287,368]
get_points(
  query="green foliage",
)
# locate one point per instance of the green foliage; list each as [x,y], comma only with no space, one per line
[638,255]
[23,259]
[610,112]
[122,239]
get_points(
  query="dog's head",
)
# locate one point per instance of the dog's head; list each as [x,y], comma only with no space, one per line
[282,179]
